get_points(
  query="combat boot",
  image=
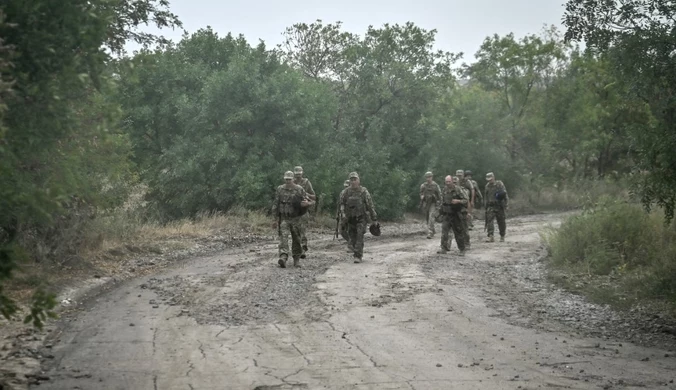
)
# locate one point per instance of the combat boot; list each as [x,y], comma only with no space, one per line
[357,258]
[490,239]
[502,238]
[442,251]
[296,261]
[461,253]
[282,261]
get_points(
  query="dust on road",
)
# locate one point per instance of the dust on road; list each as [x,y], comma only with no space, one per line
[406,318]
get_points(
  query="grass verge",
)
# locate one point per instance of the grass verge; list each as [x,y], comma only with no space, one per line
[616,253]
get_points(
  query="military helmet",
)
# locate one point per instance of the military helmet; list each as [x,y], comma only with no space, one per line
[428,174]
[375,229]
[288,175]
[468,173]
[354,175]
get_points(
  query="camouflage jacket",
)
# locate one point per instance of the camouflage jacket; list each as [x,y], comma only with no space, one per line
[431,192]
[287,201]
[307,186]
[357,203]
[448,194]
[469,187]
[491,190]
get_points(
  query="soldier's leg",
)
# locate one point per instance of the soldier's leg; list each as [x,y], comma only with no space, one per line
[296,247]
[352,234]
[459,231]
[465,230]
[303,229]
[445,239]
[502,223]
[490,216]
[284,233]
[359,241]
[431,212]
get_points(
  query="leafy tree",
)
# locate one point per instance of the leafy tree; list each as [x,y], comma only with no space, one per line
[54,148]
[639,38]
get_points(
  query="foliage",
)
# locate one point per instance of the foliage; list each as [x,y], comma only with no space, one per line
[618,239]
[638,37]
[56,147]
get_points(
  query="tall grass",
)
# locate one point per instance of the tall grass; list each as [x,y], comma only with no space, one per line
[618,242]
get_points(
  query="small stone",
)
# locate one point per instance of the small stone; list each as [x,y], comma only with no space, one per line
[132,324]
[645,359]
[502,338]
[438,364]
[460,365]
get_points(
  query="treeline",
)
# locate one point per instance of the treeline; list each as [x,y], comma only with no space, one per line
[212,122]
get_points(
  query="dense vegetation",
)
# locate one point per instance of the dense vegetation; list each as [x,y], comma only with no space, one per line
[212,122]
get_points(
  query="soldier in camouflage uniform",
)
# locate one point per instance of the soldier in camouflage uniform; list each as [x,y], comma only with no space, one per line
[356,208]
[496,204]
[478,194]
[307,186]
[343,222]
[430,195]
[454,200]
[467,185]
[287,209]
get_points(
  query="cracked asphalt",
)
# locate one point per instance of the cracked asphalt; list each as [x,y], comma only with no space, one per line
[406,318]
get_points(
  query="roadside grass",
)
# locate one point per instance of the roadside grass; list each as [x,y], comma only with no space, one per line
[616,253]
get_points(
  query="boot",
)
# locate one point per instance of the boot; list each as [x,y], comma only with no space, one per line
[305,248]
[461,253]
[442,251]
[282,261]
[357,258]
[502,238]
[296,261]
[490,239]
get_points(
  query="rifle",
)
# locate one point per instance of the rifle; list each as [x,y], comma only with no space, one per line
[335,235]
[486,219]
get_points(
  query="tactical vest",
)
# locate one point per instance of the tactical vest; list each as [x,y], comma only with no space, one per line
[288,203]
[429,192]
[492,190]
[354,203]
[446,206]
[303,183]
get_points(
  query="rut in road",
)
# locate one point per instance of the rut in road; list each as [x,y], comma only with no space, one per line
[406,318]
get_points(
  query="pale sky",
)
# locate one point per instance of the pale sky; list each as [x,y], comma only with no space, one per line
[461,25]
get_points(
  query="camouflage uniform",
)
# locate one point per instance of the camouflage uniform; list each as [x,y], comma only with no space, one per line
[307,186]
[343,222]
[356,207]
[286,209]
[431,194]
[467,185]
[495,209]
[453,216]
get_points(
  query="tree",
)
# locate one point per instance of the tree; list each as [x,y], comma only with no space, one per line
[51,143]
[639,38]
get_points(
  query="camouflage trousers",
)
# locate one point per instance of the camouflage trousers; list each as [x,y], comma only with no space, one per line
[290,227]
[304,219]
[430,212]
[356,228]
[495,212]
[453,225]
[465,227]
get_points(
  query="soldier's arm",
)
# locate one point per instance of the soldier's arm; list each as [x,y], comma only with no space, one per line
[506,194]
[369,206]
[341,203]
[305,196]
[422,191]
[311,191]
[437,193]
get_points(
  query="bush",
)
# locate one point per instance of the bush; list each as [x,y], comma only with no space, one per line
[620,240]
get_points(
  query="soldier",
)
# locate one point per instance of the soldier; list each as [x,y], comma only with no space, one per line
[287,208]
[478,194]
[430,195]
[467,185]
[356,208]
[307,186]
[342,223]
[453,200]
[496,205]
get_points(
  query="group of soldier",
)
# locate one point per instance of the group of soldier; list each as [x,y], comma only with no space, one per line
[451,206]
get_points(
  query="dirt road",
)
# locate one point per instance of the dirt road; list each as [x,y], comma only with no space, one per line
[406,318]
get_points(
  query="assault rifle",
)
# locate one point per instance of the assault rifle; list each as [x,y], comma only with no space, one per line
[335,235]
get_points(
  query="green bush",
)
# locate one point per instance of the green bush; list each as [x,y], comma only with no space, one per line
[621,240]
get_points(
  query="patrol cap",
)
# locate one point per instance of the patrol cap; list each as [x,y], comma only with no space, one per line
[468,173]
[489,175]
[354,175]
[347,183]
[298,170]
[428,174]
[288,175]
[460,172]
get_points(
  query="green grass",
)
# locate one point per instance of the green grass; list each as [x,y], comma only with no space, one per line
[615,253]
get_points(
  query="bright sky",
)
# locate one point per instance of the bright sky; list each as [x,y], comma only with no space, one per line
[462,25]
